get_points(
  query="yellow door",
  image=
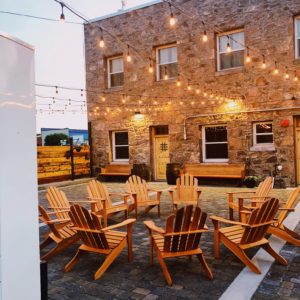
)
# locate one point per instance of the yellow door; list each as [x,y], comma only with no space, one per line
[298,154]
[161,156]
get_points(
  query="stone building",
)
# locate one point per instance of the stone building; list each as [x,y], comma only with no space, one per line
[233,98]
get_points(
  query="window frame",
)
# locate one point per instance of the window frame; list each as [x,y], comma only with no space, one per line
[157,60]
[255,144]
[109,72]
[114,147]
[219,53]
[296,19]
[216,160]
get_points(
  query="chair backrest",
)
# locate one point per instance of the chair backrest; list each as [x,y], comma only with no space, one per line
[58,200]
[81,218]
[185,220]
[98,190]
[136,184]
[260,218]
[264,187]
[290,203]
[44,217]
[186,188]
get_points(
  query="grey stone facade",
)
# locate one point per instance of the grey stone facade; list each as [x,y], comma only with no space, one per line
[268,28]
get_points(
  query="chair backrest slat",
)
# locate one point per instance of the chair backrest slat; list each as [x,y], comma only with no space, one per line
[81,218]
[185,220]
[259,216]
[98,190]
[264,187]
[290,203]
[136,184]
[186,187]
[57,198]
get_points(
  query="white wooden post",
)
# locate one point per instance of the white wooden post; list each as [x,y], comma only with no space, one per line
[19,235]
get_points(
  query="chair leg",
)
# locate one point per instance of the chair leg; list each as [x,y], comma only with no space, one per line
[129,241]
[277,256]
[158,210]
[205,265]
[163,266]
[125,214]
[242,256]
[70,265]
[109,259]
[285,235]
[217,243]
[45,242]
[230,213]
[151,250]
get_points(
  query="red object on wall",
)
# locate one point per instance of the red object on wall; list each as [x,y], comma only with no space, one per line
[285,123]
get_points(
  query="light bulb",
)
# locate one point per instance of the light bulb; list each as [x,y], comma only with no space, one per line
[189,88]
[62,16]
[150,69]
[296,77]
[101,43]
[181,103]
[276,69]
[286,76]
[248,58]
[178,83]
[264,65]
[198,91]
[204,37]
[228,47]
[166,76]
[128,58]
[172,20]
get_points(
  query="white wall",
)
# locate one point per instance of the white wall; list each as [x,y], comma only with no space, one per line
[19,236]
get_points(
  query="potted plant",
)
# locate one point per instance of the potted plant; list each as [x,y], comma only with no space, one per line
[250,181]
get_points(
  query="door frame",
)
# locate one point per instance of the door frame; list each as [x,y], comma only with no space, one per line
[154,153]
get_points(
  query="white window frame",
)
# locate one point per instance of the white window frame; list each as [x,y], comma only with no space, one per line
[114,146]
[218,49]
[109,73]
[297,19]
[255,134]
[171,62]
[204,144]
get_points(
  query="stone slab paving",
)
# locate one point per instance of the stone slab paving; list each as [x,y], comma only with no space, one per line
[139,280]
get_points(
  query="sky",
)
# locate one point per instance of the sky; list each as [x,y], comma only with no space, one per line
[59,49]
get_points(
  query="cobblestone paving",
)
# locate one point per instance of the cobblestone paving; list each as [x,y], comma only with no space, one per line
[139,280]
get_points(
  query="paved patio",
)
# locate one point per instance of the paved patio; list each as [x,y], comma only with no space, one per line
[139,280]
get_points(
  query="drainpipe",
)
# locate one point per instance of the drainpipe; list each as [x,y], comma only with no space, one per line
[232,113]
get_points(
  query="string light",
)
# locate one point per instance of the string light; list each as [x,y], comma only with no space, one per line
[56,90]
[166,74]
[295,77]
[81,92]
[150,67]
[228,47]
[101,43]
[248,58]
[286,76]
[189,87]
[128,58]
[264,62]
[103,99]
[205,94]
[172,20]
[198,90]
[62,16]
[276,68]
[204,36]
[178,83]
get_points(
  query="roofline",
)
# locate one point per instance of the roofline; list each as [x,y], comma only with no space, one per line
[16,40]
[124,11]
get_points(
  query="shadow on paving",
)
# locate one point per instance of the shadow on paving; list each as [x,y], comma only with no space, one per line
[139,280]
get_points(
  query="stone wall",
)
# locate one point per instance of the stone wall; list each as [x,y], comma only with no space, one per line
[268,28]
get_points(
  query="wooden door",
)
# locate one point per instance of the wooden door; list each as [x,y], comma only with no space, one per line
[161,156]
[298,154]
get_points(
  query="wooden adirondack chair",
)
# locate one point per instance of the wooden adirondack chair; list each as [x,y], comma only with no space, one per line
[104,206]
[278,227]
[186,191]
[243,236]
[139,193]
[260,194]
[99,240]
[180,238]
[59,203]
[60,233]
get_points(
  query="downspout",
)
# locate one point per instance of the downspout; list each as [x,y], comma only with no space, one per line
[231,113]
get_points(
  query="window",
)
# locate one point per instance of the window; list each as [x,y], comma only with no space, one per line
[297,37]
[215,145]
[120,146]
[166,58]
[115,72]
[262,133]
[234,58]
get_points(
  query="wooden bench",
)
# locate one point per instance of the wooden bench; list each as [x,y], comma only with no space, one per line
[116,170]
[235,171]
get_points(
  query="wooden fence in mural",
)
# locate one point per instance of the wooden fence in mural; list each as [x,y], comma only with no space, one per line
[57,163]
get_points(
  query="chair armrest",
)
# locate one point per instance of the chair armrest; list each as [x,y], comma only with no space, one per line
[58,211]
[223,220]
[152,227]
[154,190]
[82,201]
[122,224]
[242,192]
[59,207]
[186,232]
[94,199]
[119,194]
[288,209]
[60,221]
[199,189]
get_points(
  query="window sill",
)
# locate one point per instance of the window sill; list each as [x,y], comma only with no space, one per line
[215,161]
[230,71]
[162,81]
[122,162]
[297,61]
[114,89]
[257,148]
